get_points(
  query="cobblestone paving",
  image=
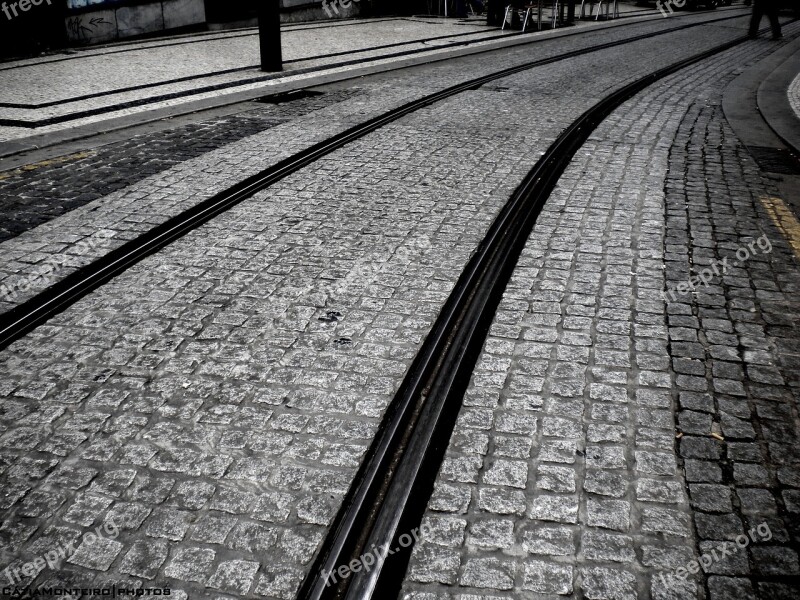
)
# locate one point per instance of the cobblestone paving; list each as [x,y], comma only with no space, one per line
[169,40]
[735,347]
[208,393]
[36,194]
[169,73]
[562,478]
[215,400]
[124,214]
[126,104]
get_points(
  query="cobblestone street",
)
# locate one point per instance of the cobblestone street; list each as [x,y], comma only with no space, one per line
[201,421]
[128,211]
[565,447]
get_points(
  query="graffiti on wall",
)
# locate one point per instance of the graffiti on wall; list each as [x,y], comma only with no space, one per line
[85,27]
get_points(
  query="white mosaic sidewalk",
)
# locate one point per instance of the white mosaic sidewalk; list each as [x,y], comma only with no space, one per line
[203,59]
[794,96]
[207,63]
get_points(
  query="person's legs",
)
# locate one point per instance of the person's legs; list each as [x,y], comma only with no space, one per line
[772,13]
[755,21]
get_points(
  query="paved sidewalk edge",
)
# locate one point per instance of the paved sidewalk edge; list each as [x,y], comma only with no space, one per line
[742,100]
[773,101]
[157,42]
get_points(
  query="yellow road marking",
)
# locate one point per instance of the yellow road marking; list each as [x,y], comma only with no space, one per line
[46,163]
[784,219]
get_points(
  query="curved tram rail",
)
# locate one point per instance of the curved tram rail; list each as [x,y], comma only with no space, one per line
[390,491]
[17,322]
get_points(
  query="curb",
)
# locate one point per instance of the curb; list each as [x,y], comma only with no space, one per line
[773,101]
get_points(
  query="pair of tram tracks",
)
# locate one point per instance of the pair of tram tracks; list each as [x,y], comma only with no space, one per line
[54,299]
[391,489]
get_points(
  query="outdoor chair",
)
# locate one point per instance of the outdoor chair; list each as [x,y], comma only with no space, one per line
[528,14]
[611,8]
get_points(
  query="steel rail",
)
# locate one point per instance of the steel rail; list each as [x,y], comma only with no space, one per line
[56,298]
[390,493]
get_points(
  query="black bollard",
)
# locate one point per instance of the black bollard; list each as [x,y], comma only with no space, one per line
[269,35]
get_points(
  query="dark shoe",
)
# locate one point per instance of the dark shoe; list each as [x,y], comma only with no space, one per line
[777,37]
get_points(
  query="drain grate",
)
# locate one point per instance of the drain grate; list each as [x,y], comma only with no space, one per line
[775,160]
[285,97]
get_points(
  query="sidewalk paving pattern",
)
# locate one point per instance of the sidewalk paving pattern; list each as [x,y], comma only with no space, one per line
[92,86]
[66,78]
[93,81]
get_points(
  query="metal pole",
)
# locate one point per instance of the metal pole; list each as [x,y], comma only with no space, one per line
[269,34]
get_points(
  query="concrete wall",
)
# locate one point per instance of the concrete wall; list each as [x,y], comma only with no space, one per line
[292,11]
[96,21]
[107,22]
